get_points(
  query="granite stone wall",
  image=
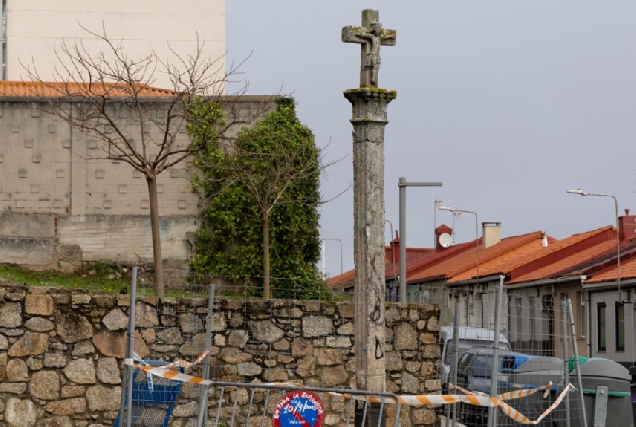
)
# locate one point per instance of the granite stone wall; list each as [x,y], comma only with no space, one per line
[61,353]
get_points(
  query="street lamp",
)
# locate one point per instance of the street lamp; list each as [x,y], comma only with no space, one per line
[461,211]
[618,238]
[455,216]
[437,203]
[395,273]
[324,268]
[402,184]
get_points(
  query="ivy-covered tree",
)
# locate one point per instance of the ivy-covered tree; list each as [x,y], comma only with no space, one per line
[260,196]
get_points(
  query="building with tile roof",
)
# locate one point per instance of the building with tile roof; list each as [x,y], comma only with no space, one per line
[538,273]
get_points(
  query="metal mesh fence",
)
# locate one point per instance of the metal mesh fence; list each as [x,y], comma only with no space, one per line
[232,322]
[534,349]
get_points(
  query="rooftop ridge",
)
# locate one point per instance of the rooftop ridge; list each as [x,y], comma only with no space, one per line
[39,89]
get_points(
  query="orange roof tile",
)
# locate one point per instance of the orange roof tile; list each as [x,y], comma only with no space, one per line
[467,260]
[504,263]
[628,271]
[566,264]
[60,89]
[419,264]
[528,256]
[412,254]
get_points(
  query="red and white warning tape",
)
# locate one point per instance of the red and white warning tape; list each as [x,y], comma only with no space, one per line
[417,400]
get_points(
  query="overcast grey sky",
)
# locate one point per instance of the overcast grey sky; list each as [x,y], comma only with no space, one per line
[509,103]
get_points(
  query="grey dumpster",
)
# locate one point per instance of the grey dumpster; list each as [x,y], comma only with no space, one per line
[606,394]
[533,373]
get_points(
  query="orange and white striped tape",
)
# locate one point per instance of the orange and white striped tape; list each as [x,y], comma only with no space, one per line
[185,364]
[412,400]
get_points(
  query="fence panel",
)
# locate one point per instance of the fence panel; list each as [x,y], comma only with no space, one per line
[535,349]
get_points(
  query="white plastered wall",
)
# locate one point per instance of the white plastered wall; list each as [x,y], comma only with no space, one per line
[35,28]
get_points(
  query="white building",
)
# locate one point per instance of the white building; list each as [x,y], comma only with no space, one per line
[33,29]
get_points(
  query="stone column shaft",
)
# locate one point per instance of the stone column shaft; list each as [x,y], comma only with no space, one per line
[368,119]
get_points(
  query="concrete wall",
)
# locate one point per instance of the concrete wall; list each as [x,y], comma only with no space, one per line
[610,297]
[56,191]
[35,28]
[61,353]
[46,167]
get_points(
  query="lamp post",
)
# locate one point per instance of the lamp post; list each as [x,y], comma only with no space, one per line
[395,274]
[402,184]
[618,237]
[324,269]
[461,211]
[455,216]
[436,204]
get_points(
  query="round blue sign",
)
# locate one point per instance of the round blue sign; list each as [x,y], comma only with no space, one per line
[299,409]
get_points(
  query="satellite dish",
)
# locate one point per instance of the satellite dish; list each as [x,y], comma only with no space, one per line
[445,240]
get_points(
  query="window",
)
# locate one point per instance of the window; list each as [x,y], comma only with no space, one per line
[600,321]
[462,370]
[619,326]
[464,361]
[482,368]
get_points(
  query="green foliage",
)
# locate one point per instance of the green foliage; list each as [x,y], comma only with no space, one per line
[205,119]
[231,242]
[102,268]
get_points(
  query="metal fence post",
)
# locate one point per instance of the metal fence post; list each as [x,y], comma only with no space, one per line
[494,375]
[455,356]
[130,349]
[564,313]
[205,374]
[576,361]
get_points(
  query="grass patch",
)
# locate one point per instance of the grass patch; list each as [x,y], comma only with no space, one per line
[98,281]
[94,277]
[98,277]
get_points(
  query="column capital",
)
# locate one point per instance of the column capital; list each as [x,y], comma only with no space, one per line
[367,94]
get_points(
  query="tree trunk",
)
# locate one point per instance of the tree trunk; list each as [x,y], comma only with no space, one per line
[266,294]
[156,237]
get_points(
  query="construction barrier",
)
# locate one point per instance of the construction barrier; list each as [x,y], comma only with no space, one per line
[415,400]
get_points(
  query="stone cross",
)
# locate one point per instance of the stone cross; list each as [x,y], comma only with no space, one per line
[370,36]
[369,117]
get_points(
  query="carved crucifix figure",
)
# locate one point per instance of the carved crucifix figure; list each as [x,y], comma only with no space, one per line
[370,36]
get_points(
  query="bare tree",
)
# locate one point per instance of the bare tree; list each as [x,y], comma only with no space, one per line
[92,91]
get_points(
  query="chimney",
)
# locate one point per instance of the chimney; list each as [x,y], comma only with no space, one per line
[395,248]
[627,226]
[442,229]
[544,240]
[491,233]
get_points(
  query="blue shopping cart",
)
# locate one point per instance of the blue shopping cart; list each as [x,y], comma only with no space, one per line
[152,400]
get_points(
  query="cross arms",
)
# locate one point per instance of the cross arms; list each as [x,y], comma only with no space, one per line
[360,35]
